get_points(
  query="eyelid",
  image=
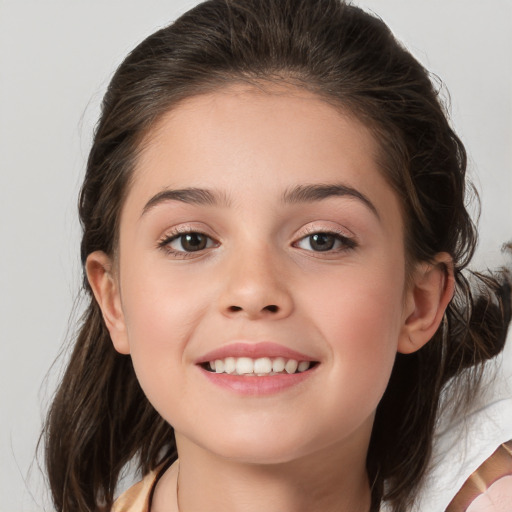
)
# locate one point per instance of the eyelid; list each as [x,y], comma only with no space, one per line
[191,227]
[324,227]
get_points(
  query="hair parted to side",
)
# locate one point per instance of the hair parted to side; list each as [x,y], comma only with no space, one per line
[100,418]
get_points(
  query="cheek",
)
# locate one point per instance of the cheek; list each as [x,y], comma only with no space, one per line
[161,314]
[161,306]
[360,316]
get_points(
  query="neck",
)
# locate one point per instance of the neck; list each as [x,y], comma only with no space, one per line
[323,481]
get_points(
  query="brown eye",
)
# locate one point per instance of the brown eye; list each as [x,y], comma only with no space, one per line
[193,242]
[322,241]
[189,242]
[325,241]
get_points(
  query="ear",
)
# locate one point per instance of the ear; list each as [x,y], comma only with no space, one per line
[429,294]
[106,291]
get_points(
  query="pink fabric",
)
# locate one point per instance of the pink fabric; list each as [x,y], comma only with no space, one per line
[497,498]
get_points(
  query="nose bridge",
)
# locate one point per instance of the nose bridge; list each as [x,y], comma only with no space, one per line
[255,284]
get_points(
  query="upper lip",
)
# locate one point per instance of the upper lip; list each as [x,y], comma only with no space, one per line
[254,351]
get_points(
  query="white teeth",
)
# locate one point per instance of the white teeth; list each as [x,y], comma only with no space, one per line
[230,365]
[260,367]
[244,365]
[303,366]
[291,366]
[278,364]
[263,365]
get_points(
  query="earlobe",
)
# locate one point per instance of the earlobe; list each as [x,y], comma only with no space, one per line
[106,291]
[430,293]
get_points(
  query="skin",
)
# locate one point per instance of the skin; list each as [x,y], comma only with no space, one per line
[259,278]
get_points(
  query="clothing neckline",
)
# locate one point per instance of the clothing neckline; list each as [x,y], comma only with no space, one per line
[160,472]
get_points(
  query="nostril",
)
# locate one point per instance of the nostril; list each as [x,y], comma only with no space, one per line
[271,307]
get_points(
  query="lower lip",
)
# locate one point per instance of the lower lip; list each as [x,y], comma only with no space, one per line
[257,385]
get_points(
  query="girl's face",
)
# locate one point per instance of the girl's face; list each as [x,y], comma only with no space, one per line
[259,226]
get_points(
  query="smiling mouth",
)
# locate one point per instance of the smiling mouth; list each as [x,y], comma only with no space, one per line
[260,367]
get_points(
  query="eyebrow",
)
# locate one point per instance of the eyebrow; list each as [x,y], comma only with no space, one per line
[296,195]
[317,192]
[198,196]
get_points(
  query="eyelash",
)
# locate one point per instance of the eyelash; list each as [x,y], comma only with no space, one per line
[346,243]
[165,242]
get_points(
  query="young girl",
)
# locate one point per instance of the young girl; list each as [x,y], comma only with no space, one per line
[274,233]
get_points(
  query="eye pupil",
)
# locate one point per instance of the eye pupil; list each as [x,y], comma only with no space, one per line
[193,242]
[322,241]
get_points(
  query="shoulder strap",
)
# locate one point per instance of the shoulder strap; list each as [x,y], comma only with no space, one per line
[497,466]
[138,497]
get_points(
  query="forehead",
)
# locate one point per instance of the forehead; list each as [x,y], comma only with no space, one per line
[266,139]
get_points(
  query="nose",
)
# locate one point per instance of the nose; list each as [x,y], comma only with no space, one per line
[256,287]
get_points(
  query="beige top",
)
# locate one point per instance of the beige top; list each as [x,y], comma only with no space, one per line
[138,497]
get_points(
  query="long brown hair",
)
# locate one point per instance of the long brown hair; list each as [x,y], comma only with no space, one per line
[100,419]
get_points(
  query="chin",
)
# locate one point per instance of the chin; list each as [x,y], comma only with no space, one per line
[260,456]
[262,447]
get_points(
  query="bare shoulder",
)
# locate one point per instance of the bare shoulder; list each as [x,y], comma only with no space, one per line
[489,488]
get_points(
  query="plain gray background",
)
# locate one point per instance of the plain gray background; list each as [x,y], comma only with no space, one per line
[56,58]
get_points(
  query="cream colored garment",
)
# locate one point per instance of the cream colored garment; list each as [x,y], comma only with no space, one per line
[137,497]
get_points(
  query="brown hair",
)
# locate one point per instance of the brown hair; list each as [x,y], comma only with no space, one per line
[100,418]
